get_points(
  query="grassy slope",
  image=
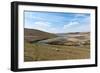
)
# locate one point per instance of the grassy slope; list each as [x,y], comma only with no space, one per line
[41,52]
[33,34]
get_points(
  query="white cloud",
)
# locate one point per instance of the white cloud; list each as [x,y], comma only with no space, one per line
[80,15]
[54,30]
[41,25]
[45,26]
[76,27]
[70,24]
[36,18]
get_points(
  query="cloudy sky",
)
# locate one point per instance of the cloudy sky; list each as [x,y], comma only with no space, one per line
[57,22]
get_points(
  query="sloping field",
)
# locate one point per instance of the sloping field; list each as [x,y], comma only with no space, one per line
[42,52]
[31,35]
[43,46]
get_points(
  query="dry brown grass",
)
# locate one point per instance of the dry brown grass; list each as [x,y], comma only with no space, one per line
[42,52]
[70,47]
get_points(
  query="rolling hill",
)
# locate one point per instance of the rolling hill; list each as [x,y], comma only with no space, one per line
[35,35]
[75,39]
[43,46]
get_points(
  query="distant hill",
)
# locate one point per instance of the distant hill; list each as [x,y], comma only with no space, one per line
[79,38]
[34,35]
[73,34]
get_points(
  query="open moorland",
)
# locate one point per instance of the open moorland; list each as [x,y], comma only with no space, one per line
[43,46]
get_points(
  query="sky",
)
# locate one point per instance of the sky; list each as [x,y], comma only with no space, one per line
[57,22]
